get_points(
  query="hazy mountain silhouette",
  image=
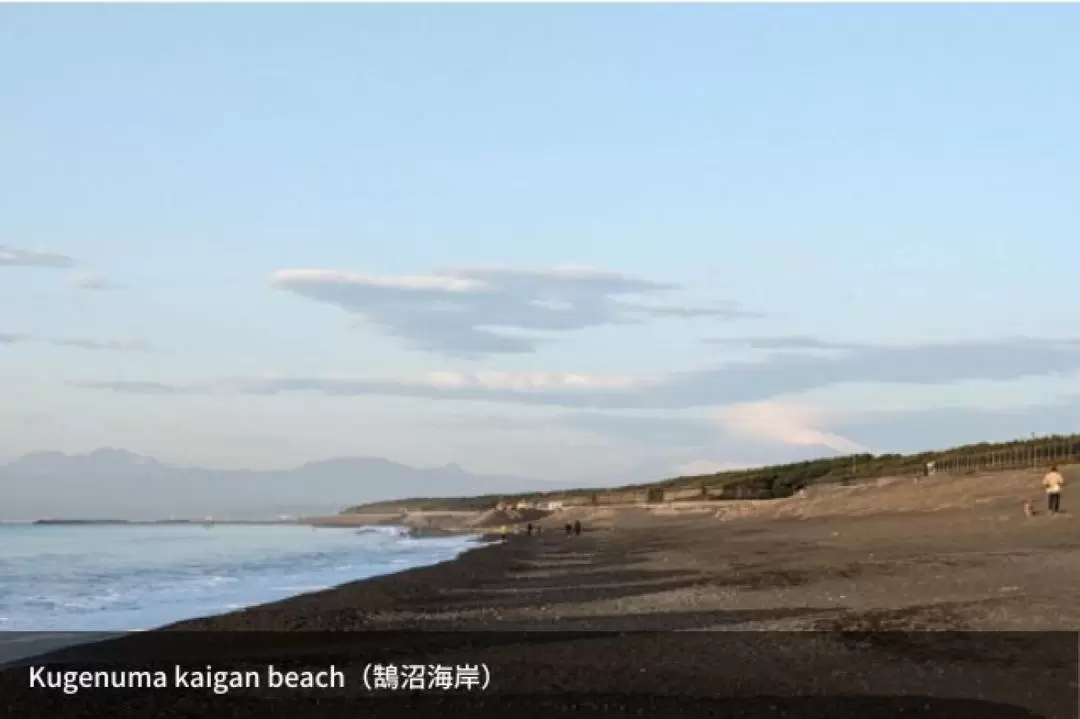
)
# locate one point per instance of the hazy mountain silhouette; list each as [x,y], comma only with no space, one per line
[117,484]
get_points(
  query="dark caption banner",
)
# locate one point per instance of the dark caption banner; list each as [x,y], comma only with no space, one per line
[980,675]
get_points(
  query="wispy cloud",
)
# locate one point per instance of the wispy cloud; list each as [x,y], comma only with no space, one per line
[83,279]
[780,374]
[422,386]
[472,312]
[86,344]
[775,432]
[93,282]
[917,429]
[477,385]
[790,343]
[519,381]
[15,257]
[666,431]
[138,387]
[756,417]
[726,431]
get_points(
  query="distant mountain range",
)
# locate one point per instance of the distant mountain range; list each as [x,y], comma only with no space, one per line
[117,484]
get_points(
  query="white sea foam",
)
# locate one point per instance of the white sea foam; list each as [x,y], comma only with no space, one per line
[117,578]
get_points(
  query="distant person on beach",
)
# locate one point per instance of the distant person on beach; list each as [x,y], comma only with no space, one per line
[528,529]
[569,529]
[577,526]
[1053,482]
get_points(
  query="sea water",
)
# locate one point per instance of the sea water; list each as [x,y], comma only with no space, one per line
[104,578]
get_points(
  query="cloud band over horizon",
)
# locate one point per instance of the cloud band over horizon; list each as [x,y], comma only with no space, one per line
[783,373]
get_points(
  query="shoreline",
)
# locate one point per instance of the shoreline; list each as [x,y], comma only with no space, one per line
[46,522]
[51,641]
[609,617]
[981,569]
[911,596]
[638,569]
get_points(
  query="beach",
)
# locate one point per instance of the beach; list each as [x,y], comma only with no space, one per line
[939,553]
[951,570]
[789,593]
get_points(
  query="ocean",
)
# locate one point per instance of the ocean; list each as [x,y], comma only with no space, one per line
[107,578]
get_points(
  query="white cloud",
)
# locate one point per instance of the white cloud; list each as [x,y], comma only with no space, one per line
[446,379]
[469,385]
[472,312]
[785,424]
[749,389]
[86,344]
[93,282]
[287,278]
[15,257]
[552,305]
[83,280]
[510,381]
[530,380]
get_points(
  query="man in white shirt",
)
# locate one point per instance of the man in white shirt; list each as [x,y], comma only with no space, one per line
[1053,482]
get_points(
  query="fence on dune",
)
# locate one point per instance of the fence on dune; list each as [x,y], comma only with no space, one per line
[1036,454]
[1024,456]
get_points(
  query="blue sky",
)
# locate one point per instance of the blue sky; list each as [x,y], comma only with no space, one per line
[565,241]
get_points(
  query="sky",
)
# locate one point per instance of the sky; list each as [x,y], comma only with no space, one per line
[546,240]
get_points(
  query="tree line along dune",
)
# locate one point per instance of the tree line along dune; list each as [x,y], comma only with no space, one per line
[770,482]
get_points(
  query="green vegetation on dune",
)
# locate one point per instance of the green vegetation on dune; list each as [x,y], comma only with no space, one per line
[777,481]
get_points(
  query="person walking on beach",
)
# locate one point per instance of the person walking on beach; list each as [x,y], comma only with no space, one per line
[569,529]
[1053,482]
[577,527]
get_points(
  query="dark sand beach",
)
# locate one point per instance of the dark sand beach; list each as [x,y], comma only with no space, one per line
[951,570]
[891,607]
